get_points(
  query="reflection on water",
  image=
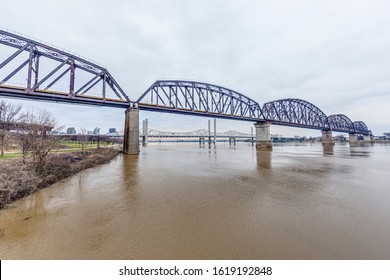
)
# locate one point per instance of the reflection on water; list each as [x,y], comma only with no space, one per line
[328,149]
[264,159]
[185,201]
[360,152]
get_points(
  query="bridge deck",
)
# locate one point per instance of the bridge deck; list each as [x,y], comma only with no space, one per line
[61,97]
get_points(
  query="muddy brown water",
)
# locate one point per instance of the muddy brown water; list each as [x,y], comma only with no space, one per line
[182,201]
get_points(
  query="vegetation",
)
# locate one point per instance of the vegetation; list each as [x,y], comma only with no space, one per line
[38,158]
[18,179]
[9,115]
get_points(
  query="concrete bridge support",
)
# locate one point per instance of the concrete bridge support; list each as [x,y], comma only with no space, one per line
[327,138]
[232,140]
[353,139]
[131,137]
[368,138]
[263,136]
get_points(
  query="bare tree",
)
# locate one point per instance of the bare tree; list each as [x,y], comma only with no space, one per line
[9,116]
[23,139]
[83,139]
[32,137]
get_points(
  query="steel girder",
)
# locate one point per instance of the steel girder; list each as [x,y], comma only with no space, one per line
[341,123]
[295,112]
[67,64]
[196,98]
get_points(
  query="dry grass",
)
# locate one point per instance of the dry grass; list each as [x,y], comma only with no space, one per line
[18,180]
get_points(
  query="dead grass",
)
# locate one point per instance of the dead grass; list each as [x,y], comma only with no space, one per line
[18,180]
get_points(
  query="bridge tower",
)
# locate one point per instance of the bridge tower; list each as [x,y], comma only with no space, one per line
[215,131]
[263,136]
[145,132]
[131,133]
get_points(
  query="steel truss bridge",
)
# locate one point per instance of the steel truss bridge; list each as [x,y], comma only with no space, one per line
[43,68]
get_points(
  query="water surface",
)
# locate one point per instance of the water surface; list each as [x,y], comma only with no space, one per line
[182,201]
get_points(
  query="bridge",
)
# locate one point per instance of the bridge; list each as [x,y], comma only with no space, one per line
[30,69]
[203,136]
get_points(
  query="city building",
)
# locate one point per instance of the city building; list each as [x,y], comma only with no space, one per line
[71,130]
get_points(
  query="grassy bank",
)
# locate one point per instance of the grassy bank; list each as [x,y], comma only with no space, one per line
[18,179]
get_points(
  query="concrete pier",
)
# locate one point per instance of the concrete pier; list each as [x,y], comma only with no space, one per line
[368,138]
[353,139]
[131,141]
[327,138]
[263,136]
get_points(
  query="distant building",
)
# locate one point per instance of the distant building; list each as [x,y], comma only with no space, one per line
[96,131]
[112,130]
[71,130]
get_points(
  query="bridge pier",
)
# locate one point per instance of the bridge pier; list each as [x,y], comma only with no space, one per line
[327,138]
[131,133]
[353,139]
[263,136]
[368,138]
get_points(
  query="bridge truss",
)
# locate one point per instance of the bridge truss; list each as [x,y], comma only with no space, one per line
[196,98]
[42,68]
[300,113]
[361,127]
[295,112]
[341,123]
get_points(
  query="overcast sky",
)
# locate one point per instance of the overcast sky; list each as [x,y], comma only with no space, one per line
[334,54]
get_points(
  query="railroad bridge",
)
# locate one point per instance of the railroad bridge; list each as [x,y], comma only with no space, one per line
[44,68]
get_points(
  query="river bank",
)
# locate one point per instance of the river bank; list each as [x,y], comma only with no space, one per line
[18,179]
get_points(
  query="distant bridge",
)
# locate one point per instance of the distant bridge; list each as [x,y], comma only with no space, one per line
[203,135]
[198,133]
[46,68]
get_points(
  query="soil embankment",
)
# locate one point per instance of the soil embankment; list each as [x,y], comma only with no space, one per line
[18,179]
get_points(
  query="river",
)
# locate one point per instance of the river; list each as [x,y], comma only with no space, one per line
[182,201]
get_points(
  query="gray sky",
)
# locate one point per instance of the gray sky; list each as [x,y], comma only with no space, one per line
[334,54]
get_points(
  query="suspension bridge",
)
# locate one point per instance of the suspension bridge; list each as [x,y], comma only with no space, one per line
[43,69]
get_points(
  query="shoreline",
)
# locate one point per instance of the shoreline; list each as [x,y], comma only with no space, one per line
[18,179]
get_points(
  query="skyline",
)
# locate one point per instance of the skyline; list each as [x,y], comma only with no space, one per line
[331,53]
